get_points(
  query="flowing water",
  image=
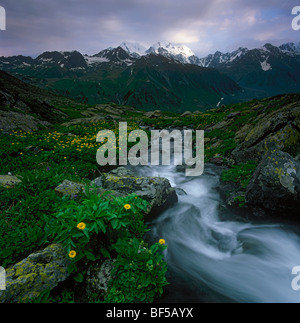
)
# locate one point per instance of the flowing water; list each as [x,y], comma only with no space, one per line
[214,257]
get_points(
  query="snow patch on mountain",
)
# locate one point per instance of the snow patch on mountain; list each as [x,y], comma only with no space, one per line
[91,60]
[265,66]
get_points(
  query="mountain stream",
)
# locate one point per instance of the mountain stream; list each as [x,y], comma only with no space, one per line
[215,256]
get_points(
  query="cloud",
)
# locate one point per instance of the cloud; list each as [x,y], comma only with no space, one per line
[182,36]
[89,26]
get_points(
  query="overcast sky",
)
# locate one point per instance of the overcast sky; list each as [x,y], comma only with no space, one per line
[35,26]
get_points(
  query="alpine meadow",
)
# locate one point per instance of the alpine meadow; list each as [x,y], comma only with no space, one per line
[149,171]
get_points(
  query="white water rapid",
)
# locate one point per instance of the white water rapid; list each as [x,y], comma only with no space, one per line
[214,258]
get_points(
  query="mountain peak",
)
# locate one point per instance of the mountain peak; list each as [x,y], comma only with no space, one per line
[117,56]
[173,49]
[290,47]
[133,48]
[181,53]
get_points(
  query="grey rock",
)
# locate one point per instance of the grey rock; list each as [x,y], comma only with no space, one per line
[69,188]
[275,186]
[234,115]
[276,131]
[10,121]
[39,272]
[97,182]
[186,113]
[155,190]
[154,114]
[9,181]
[122,171]
[98,278]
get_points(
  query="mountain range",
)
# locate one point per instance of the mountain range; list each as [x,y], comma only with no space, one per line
[165,76]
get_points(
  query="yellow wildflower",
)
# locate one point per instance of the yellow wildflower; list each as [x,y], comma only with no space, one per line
[127,207]
[81,226]
[72,254]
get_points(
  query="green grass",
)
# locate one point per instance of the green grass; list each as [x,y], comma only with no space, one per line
[43,160]
[240,174]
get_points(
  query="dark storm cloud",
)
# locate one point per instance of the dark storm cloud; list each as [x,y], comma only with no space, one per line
[89,26]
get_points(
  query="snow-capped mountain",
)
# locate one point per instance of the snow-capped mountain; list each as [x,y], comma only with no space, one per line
[214,60]
[265,71]
[259,72]
[179,52]
[133,48]
[221,59]
[290,47]
[128,52]
[69,60]
[116,56]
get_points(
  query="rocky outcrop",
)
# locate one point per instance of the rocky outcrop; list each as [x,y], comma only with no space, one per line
[186,114]
[10,121]
[275,186]
[155,190]
[41,271]
[279,130]
[153,114]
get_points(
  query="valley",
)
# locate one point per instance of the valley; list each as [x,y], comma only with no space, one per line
[65,220]
[166,76]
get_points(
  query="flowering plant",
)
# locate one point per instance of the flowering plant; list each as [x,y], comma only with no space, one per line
[139,272]
[89,229]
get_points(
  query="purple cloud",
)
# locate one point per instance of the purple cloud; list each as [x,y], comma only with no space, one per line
[34,26]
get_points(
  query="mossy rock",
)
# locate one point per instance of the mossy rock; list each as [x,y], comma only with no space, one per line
[69,188]
[275,185]
[98,278]
[9,181]
[41,271]
[155,190]
[276,131]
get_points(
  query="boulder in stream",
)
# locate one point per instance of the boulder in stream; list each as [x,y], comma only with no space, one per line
[155,190]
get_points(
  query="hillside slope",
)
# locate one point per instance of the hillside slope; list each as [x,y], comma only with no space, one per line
[113,75]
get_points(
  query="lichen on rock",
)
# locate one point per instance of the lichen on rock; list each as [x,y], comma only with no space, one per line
[40,271]
[155,190]
[98,278]
[69,188]
[275,185]
[9,181]
[277,131]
